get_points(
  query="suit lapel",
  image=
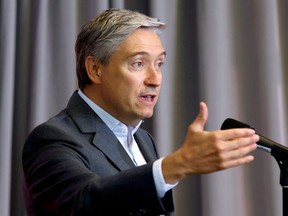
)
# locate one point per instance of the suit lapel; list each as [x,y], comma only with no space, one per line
[89,122]
[147,150]
[108,143]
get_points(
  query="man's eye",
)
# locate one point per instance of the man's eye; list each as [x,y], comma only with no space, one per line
[137,64]
[159,65]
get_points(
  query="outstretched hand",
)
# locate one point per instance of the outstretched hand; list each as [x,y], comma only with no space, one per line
[205,152]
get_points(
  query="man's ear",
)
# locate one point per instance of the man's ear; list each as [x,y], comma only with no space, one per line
[93,69]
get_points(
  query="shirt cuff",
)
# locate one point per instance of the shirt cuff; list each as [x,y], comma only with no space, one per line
[161,186]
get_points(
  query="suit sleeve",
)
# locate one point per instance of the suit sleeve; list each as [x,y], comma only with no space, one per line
[59,180]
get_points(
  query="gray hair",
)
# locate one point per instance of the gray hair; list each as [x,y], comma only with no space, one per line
[101,37]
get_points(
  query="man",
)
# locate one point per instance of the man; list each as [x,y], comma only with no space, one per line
[93,158]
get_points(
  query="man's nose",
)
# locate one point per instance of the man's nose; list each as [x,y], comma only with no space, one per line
[153,77]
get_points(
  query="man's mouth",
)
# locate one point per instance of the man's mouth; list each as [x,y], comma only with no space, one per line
[148,98]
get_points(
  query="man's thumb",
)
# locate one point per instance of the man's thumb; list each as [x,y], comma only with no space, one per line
[201,119]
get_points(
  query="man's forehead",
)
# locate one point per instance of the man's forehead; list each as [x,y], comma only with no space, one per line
[143,53]
[142,42]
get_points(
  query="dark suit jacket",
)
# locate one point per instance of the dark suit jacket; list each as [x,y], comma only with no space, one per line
[74,165]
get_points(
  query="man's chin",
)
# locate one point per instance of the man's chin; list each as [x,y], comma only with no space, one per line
[144,116]
[147,117]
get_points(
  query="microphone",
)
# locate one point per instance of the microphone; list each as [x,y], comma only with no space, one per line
[263,144]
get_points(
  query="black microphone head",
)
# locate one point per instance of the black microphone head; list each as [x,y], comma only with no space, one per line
[232,123]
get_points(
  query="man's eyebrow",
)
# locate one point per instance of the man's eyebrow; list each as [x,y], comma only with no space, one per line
[163,53]
[145,53]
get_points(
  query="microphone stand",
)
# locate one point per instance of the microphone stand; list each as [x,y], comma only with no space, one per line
[281,156]
[278,151]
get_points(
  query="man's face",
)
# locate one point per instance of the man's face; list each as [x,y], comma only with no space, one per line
[130,83]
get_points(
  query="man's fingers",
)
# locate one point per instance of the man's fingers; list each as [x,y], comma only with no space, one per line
[240,147]
[237,162]
[231,134]
[201,119]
